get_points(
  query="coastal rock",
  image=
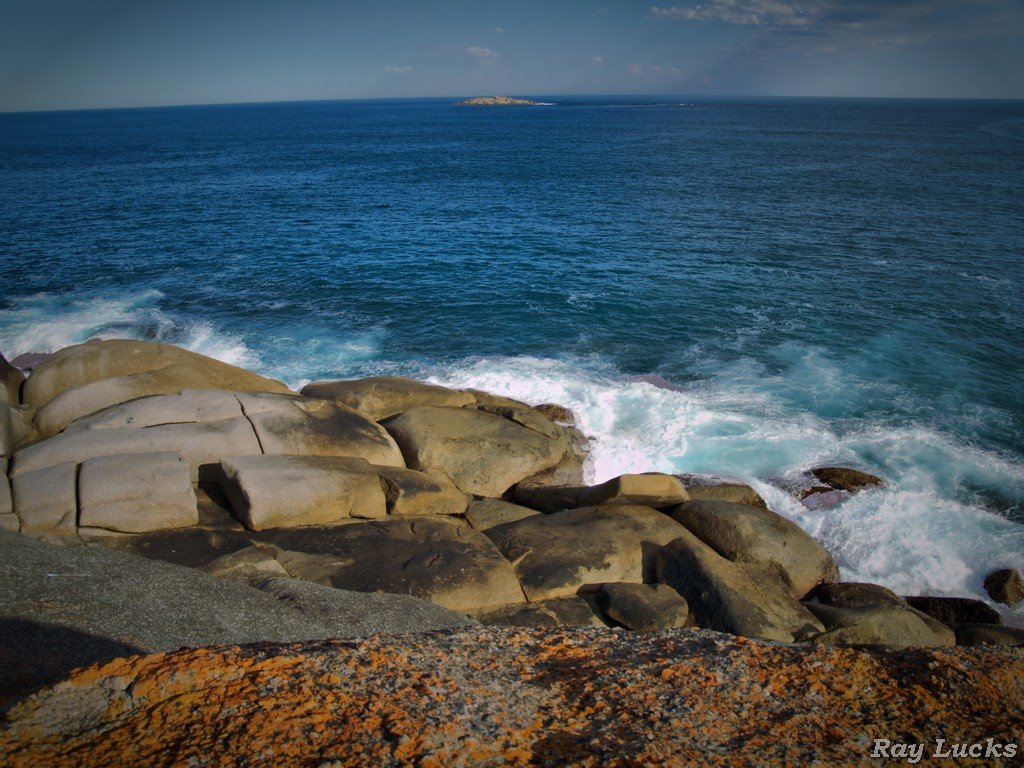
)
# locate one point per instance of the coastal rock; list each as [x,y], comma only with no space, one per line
[380,397]
[547,498]
[46,500]
[854,594]
[1005,586]
[66,607]
[290,424]
[483,454]
[747,599]
[514,696]
[989,634]
[250,565]
[845,479]
[8,520]
[887,626]
[484,514]
[288,491]
[559,612]
[408,492]
[86,378]
[643,607]
[11,379]
[136,493]
[747,534]
[708,489]
[555,555]
[433,558]
[954,611]
[650,490]
[556,413]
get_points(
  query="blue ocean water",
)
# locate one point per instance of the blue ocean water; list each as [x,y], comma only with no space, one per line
[748,287]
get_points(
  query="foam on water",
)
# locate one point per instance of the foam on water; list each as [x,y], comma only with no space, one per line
[923,533]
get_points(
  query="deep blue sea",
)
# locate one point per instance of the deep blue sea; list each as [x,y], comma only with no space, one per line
[747,287]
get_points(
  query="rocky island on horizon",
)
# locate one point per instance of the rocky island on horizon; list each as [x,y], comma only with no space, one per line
[496,101]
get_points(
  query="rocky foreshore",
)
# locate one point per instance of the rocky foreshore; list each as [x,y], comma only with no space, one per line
[165,499]
[496,101]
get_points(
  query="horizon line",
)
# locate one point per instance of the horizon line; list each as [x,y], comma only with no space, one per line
[695,97]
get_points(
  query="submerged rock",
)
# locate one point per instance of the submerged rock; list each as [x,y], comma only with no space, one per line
[845,479]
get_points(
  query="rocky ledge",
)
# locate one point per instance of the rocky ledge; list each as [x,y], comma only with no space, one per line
[496,101]
[392,505]
[504,696]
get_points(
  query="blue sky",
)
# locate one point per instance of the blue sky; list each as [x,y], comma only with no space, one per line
[66,54]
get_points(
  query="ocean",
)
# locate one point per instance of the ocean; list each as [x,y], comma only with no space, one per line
[747,287]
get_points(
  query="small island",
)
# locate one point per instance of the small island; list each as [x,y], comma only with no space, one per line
[496,101]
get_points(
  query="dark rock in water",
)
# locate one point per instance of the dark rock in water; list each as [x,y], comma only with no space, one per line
[1005,586]
[643,607]
[852,594]
[954,611]
[989,634]
[845,479]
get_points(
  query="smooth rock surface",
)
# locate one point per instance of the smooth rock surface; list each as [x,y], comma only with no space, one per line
[555,555]
[483,454]
[484,514]
[136,493]
[643,607]
[382,396]
[434,558]
[707,489]
[747,599]
[887,626]
[411,493]
[86,378]
[650,490]
[46,500]
[290,491]
[744,533]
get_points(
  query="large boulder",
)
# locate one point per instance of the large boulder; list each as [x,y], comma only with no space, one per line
[86,378]
[289,491]
[11,379]
[408,492]
[433,558]
[703,488]
[382,396]
[887,626]
[1005,586]
[748,599]
[651,490]
[559,612]
[136,493]
[555,555]
[643,607]
[482,453]
[46,500]
[484,514]
[290,424]
[954,611]
[745,533]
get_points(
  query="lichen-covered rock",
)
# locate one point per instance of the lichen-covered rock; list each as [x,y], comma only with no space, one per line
[437,559]
[382,396]
[748,599]
[86,378]
[484,514]
[845,479]
[554,555]
[482,453]
[1005,586]
[643,607]
[748,534]
[954,611]
[289,491]
[651,490]
[510,696]
[556,413]
[136,493]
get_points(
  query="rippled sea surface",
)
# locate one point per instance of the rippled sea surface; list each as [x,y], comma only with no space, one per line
[743,287]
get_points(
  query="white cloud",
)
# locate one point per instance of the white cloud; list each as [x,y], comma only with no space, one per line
[744,12]
[398,70]
[499,30]
[597,59]
[483,53]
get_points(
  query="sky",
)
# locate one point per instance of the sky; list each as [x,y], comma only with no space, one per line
[74,54]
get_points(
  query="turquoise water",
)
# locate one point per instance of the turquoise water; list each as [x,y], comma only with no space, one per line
[743,287]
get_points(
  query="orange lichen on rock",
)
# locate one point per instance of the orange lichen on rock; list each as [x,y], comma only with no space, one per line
[516,697]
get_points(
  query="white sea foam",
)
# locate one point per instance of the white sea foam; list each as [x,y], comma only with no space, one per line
[917,535]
